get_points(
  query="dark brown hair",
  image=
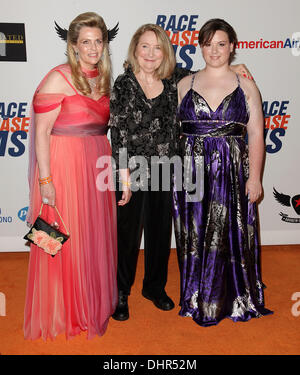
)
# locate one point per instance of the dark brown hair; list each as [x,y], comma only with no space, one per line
[208,30]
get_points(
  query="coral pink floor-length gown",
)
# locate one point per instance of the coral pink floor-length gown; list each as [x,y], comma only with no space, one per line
[76,290]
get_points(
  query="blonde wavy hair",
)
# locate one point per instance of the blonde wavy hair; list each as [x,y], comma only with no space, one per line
[89,19]
[168,64]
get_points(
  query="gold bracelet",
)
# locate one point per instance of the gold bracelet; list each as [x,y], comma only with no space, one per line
[45,183]
[126,183]
[46,180]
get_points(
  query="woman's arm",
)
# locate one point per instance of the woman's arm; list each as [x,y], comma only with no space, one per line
[183,87]
[119,137]
[44,123]
[255,129]
[180,73]
[125,178]
[242,70]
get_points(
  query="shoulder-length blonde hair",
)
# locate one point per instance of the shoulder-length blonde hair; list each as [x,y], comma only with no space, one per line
[89,19]
[168,64]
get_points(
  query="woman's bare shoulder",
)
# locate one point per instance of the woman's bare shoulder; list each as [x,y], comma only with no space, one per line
[54,83]
[185,82]
[250,88]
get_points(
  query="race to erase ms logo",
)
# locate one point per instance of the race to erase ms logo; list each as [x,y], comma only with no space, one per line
[183,35]
[13,128]
[276,124]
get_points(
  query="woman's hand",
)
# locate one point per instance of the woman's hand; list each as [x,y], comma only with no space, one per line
[125,196]
[125,180]
[253,190]
[48,194]
[242,70]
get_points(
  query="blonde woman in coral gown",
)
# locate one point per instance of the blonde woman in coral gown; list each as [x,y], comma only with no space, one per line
[76,290]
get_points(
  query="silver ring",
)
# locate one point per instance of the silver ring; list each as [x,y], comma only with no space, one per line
[45,200]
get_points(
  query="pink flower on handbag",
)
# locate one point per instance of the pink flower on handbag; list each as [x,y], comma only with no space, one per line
[52,246]
[48,243]
[38,237]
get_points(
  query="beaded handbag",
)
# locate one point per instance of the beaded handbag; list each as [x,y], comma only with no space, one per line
[46,236]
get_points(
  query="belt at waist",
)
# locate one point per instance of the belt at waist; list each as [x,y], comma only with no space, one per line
[211,129]
[80,130]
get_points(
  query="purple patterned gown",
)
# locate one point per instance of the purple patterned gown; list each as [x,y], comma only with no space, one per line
[215,224]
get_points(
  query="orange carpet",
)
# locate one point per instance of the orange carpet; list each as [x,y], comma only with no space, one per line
[150,331]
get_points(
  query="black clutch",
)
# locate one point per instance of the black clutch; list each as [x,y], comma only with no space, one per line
[46,236]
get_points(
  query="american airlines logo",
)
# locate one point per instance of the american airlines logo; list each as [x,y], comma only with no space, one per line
[292,43]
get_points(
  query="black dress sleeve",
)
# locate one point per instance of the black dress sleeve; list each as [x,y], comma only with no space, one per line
[119,105]
[180,73]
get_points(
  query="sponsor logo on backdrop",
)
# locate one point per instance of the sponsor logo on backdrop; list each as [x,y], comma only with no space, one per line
[4,219]
[292,44]
[13,128]
[288,201]
[12,42]
[23,213]
[183,35]
[296,49]
[276,124]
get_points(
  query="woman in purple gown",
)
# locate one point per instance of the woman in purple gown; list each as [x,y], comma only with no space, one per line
[215,213]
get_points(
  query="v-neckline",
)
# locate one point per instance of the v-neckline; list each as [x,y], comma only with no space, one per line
[209,107]
[143,92]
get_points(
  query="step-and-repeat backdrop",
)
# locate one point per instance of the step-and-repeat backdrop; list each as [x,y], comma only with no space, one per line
[269,44]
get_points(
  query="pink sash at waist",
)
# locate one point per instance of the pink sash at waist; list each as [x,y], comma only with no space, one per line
[80,130]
